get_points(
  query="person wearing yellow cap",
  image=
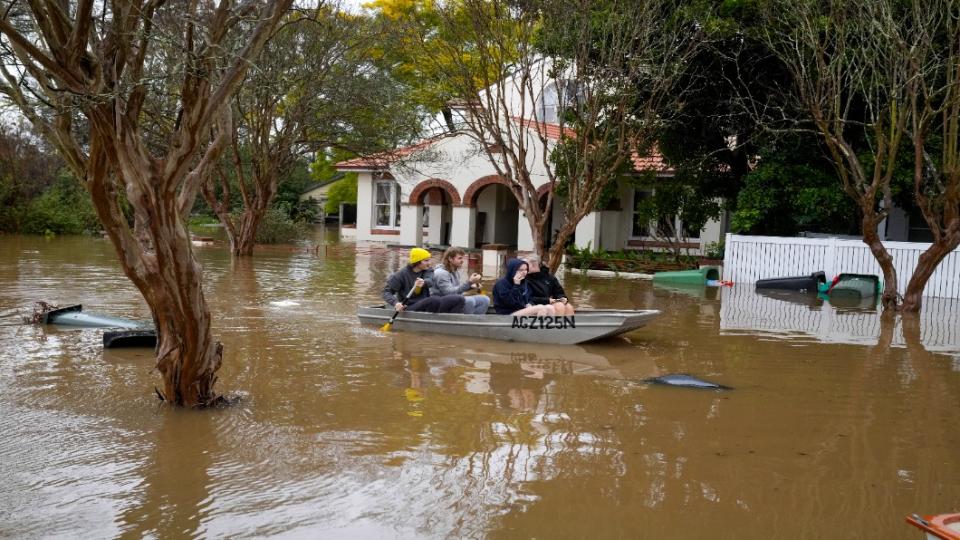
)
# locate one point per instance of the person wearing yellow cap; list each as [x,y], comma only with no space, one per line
[409,288]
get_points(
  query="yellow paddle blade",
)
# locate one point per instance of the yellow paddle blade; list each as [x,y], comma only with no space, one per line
[386,327]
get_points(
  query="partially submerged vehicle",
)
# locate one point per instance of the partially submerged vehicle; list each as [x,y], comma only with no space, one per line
[129,333]
[586,325]
[75,316]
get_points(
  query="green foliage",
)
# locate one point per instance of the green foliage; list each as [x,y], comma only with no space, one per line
[686,197]
[567,159]
[289,191]
[201,220]
[342,191]
[27,171]
[278,228]
[65,208]
[714,250]
[794,189]
[628,260]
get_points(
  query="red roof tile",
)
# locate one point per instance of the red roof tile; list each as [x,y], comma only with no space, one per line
[384,159]
[651,162]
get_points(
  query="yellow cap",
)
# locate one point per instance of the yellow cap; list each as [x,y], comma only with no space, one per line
[418,254]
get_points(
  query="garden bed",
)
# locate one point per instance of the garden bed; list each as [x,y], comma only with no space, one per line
[628,265]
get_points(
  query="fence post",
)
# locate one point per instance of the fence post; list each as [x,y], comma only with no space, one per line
[831,258]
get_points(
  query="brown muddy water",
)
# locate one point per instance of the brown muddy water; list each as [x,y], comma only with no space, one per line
[837,427]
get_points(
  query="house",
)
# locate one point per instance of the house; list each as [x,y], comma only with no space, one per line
[317,193]
[444,191]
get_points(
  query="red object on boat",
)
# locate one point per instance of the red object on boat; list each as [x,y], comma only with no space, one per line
[942,526]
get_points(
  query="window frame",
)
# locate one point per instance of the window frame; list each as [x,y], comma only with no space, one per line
[392,205]
[650,226]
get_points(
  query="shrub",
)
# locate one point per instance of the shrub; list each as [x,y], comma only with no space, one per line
[65,208]
[277,228]
[714,250]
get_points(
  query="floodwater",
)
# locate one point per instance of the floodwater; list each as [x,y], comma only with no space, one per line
[839,424]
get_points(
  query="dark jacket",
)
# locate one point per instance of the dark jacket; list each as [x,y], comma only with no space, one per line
[543,286]
[508,296]
[400,282]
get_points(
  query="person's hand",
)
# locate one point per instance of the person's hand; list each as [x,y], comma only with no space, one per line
[517,278]
[562,299]
[475,278]
[399,306]
[418,283]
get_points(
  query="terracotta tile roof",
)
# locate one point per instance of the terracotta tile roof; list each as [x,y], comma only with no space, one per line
[651,162]
[551,131]
[384,159]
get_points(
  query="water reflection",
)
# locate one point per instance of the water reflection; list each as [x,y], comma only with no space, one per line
[174,493]
[806,317]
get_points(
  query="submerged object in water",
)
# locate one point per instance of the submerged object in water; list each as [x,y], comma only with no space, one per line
[854,286]
[809,283]
[75,316]
[128,334]
[146,337]
[694,277]
[687,381]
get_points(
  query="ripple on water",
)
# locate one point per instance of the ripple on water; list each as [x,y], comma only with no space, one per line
[65,472]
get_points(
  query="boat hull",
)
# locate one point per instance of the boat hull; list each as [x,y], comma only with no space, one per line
[586,325]
[937,527]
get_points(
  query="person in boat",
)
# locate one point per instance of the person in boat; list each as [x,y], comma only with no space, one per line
[511,295]
[545,288]
[416,276]
[446,281]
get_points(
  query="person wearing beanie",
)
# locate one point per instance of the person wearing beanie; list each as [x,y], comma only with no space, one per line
[417,277]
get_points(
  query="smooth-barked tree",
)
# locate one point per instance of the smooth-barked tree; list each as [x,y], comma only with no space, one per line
[315,88]
[130,93]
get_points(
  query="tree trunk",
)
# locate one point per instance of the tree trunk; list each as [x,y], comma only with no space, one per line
[159,260]
[880,253]
[559,247]
[246,236]
[926,266]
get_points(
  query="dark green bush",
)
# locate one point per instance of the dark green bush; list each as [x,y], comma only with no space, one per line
[64,208]
[277,228]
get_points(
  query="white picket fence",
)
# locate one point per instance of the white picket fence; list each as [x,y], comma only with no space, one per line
[750,258]
[809,318]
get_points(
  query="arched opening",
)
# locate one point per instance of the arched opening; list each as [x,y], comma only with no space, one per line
[435,200]
[496,215]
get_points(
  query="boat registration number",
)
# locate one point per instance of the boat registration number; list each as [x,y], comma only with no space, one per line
[534,322]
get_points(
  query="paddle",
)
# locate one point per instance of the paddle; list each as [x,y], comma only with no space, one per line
[386,327]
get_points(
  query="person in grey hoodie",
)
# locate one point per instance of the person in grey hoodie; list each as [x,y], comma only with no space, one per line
[446,281]
[408,288]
